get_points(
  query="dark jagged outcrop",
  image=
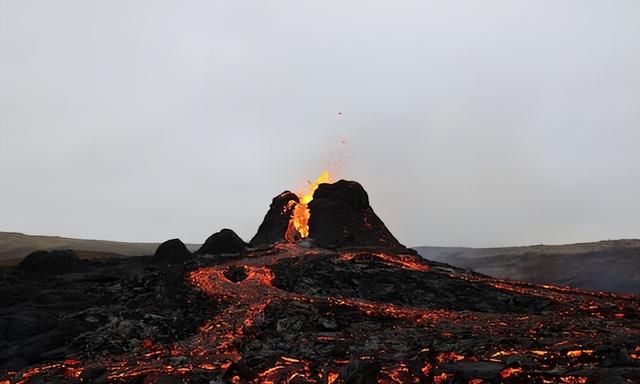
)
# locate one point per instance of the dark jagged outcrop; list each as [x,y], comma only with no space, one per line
[172,251]
[49,262]
[276,220]
[341,216]
[225,241]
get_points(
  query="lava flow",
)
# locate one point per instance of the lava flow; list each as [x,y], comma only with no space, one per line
[293,314]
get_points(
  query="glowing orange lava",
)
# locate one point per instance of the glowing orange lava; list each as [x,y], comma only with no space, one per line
[299,222]
[509,372]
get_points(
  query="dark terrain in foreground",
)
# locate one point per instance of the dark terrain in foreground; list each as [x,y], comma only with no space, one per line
[288,314]
[612,265]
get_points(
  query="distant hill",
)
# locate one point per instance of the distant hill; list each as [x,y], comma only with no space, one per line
[612,265]
[15,246]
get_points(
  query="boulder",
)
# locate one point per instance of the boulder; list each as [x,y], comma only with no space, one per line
[50,262]
[225,241]
[172,250]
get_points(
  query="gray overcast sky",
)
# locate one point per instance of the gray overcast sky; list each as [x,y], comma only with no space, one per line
[471,122]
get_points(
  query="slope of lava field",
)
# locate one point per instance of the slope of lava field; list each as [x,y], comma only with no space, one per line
[290,314]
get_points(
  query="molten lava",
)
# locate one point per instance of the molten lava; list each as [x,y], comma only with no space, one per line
[299,223]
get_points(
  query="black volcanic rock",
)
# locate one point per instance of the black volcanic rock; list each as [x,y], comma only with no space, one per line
[360,372]
[106,306]
[225,241]
[49,262]
[172,250]
[276,220]
[309,315]
[235,273]
[374,281]
[341,216]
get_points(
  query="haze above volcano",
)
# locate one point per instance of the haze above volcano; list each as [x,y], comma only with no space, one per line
[504,123]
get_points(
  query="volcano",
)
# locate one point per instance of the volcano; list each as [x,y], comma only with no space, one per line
[323,293]
[339,215]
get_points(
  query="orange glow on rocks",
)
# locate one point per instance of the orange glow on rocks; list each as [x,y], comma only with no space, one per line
[510,372]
